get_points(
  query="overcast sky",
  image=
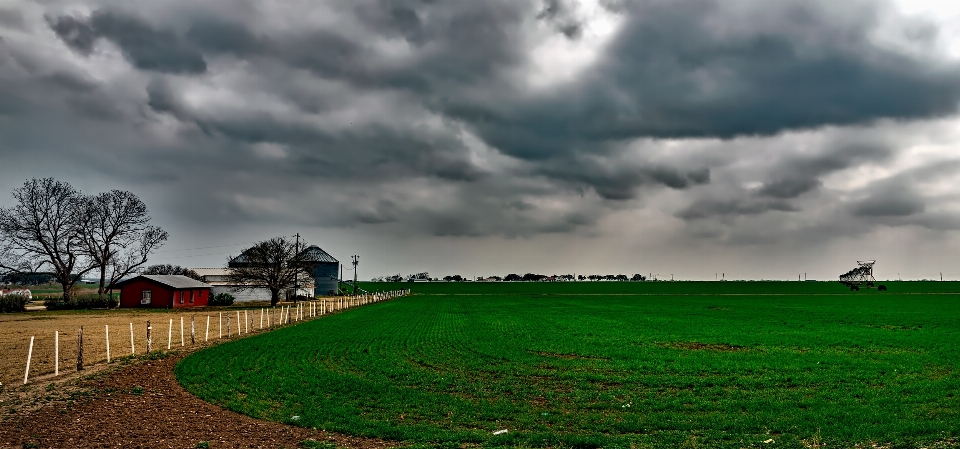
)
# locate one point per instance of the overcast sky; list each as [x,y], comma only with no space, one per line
[758,139]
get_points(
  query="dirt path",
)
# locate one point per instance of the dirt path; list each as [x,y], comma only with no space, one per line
[141,405]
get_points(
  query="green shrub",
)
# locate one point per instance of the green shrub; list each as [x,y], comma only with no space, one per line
[79,302]
[222,299]
[13,303]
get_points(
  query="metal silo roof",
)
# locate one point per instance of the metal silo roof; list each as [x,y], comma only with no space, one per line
[314,254]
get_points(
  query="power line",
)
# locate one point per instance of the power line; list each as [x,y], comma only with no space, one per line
[203,247]
[192,255]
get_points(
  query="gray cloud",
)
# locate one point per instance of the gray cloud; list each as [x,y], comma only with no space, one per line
[789,187]
[77,34]
[742,206]
[889,206]
[797,176]
[737,124]
[11,18]
[559,13]
[147,48]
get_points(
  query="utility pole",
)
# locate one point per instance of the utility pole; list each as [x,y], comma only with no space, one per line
[296,274]
[340,281]
[356,260]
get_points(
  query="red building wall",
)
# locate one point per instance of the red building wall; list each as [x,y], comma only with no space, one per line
[162,296]
[192,297]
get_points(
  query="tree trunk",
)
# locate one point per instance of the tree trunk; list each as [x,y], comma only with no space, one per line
[67,290]
[274,296]
[103,280]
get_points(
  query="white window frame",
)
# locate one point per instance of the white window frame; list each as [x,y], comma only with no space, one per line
[146,297]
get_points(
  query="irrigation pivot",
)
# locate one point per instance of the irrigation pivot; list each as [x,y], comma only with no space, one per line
[862,276]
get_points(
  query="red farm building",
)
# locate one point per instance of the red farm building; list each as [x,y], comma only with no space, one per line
[163,292]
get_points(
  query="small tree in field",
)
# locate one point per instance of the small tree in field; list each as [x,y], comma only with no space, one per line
[272,264]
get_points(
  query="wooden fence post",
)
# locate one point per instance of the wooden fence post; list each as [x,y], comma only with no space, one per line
[170,334]
[26,373]
[239,329]
[56,353]
[149,338]
[228,326]
[133,350]
[193,331]
[80,349]
[220,325]
[106,333]
[246,322]
[206,334]
[181,332]
[261,318]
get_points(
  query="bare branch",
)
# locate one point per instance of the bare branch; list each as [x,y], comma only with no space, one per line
[43,230]
[272,264]
[116,234]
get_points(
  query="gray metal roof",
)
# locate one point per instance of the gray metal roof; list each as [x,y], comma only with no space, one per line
[170,280]
[310,255]
[313,253]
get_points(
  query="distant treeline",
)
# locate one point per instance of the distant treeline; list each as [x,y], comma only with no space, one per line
[513,277]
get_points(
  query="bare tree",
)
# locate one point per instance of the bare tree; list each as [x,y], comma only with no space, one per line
[171,269]
[43,230]
[272,264]
[117,235]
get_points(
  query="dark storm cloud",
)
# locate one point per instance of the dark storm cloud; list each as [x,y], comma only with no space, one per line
[799,175]
[145,47]
[675,70]
[789,179]
[889,206]
[789,187]
[422,112]
[77,34]
[903,195]
[741,206]
[558,13]
[620,182]
[691,68]
[696,68]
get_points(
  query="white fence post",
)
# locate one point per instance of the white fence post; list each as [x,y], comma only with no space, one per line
[133,349]
[170,334]
[181,332]
[106,333]
[26,373]
[56,353]
[206,334]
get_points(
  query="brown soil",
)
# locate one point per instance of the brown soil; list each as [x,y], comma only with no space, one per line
[135,401]
[139,404]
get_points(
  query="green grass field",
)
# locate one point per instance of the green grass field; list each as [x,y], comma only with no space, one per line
[684,364]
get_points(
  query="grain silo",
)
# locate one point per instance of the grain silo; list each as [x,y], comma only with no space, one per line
[324,269]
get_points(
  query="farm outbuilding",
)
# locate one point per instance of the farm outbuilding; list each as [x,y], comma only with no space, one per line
[219,280]
[163,291]
[324,269]
[320,265]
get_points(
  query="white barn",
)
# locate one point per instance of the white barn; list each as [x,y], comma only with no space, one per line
[217,278]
